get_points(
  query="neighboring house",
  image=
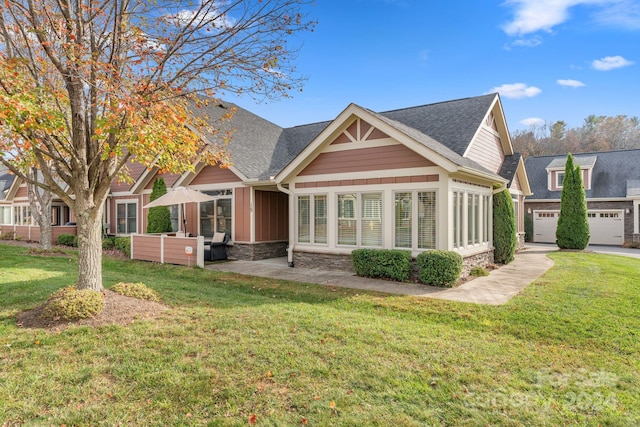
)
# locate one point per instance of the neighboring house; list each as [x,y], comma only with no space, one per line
[612,185]
[418,178]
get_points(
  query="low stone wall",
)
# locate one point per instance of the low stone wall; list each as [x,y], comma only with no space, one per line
[343,262]
[257,251]
[319,261]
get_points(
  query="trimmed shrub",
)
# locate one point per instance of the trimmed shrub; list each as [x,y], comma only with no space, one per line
[505,240]
[108,243]
[159,218]
[528,228]
[123,244]
[439,268]
[573,226]
[478,272]
[73,304]
[392,264]
[68,240]
[136,290]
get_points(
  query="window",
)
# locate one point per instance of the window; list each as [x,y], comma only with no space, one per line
[486,213]
[457,218]
[347,222]
[312,210]
[304,231]
[415,220]
[403,220]
[5,215]
[371,224]
[22,215]
[320,219]
[516,211]
[174,211]
[559,179]
[215,215]
[126,216]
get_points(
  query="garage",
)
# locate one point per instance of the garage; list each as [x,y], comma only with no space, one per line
[605,226]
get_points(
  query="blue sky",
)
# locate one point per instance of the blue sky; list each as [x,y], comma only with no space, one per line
[549,59]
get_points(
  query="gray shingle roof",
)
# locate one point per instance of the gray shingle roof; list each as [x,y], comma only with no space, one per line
[6,179]
[584,162]
[261,149]
[610,173]
[510,167]
[633,188]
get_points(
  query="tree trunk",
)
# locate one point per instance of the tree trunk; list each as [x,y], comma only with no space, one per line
[89,223]
[45,231]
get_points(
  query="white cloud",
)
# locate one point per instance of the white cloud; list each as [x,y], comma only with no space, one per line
[570,83]
[610,62]
[532,121]
[516,90]
[530,42]
[542,15]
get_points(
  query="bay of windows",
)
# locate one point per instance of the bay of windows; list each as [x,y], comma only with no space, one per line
[471,218]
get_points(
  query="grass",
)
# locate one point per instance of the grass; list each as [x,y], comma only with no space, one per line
[235,350]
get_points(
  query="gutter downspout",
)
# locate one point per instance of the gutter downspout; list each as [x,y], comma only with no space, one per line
[291,224]
[502,187]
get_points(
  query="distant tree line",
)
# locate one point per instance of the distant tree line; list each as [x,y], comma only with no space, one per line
[597,133]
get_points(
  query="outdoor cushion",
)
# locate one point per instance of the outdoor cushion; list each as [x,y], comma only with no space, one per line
[218,238]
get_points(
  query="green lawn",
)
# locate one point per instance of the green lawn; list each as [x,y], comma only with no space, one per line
[234,350]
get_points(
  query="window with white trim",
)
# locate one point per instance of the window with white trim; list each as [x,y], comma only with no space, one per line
[559,179]
[215,215]
[312,219]
[360,219]
[5,215]
[415,219]
[473,212]
[458,214]
[127,217]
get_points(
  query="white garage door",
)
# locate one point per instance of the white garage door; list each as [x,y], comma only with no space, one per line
[606,227]
[544,226]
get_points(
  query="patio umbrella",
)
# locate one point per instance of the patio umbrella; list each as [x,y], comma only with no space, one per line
[180,196]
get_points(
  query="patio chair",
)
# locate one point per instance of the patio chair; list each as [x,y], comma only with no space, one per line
[217,248]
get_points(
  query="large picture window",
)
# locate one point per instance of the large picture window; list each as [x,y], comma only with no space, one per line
[5,215]
[471,211]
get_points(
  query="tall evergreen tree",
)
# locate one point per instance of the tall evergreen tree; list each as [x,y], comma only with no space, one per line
[504,228]
[159,218]
[573,227]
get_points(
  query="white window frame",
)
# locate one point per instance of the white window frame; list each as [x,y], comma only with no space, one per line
[415,213]
[358,218]
[312,219]
[127,202]
[558,175]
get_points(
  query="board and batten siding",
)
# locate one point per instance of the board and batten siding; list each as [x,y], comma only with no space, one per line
[242,214]
[387,157]
[486,150]
[272,216]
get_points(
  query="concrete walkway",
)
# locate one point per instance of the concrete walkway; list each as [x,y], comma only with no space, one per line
[497,288]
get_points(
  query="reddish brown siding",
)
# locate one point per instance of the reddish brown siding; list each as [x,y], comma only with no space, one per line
[169,179]
[370,181]
[22,191]
[272,214]
[147,248]
[242,214]
[214,175]
[366,159]
[174,251]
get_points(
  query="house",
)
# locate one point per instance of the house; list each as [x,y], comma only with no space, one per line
[417,178]
[612,185]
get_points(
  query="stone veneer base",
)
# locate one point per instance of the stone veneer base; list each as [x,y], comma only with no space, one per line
[257,251]
[341,262]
